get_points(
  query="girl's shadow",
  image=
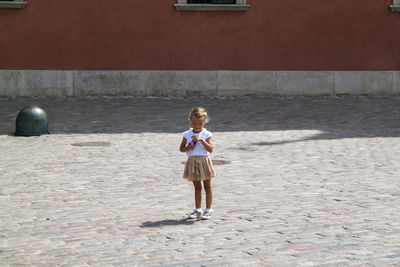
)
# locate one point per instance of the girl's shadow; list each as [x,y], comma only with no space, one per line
[167,222]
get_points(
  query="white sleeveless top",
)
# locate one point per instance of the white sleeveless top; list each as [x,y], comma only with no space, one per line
[199,149]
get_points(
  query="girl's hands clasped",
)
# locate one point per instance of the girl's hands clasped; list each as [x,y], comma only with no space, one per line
[196,139]
[206,143]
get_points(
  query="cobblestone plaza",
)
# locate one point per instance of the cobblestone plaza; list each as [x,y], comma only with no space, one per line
[300,182]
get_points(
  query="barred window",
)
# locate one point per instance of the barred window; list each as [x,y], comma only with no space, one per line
[216,2]
[396,6]
[12,4]
[211,5]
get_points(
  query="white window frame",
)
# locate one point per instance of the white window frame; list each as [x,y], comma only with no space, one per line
[240,5]
[13,4]
[396,6]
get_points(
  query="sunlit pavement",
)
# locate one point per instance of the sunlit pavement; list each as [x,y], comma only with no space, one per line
[300,182]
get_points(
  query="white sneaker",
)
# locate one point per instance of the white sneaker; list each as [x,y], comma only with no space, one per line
[207,214]
[196,214]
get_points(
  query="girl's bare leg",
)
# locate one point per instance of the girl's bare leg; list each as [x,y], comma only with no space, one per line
[197,193]
[207,188]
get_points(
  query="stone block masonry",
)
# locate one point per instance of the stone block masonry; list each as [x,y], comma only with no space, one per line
[66,83]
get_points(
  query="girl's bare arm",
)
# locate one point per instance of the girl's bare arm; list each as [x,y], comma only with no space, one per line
[183,147]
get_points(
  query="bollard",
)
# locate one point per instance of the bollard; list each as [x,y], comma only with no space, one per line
[31,121]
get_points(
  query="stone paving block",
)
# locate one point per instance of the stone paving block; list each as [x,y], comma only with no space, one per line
[231,83]
[182,83]
[202,83]
[396,82]
[165,83]
[92,83]
[309,82]
[50,83]
[13,83]
[364,82]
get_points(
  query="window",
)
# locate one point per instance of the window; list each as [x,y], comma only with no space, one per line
[212,5]
[12,4]
[211,1]
[396,6]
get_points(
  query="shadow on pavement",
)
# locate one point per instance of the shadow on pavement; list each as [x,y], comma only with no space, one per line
[335,117]
[167,223]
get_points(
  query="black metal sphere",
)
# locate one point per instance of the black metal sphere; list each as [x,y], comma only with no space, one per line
[31,121]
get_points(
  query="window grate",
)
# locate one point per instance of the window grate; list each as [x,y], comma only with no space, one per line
[219,2]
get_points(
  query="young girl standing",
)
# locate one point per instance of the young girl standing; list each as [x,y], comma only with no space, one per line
[197,144]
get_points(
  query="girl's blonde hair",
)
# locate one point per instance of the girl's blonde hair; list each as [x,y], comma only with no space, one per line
[199,113]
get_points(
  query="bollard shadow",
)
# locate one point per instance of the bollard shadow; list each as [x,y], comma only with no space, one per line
[167,223]
[334,117]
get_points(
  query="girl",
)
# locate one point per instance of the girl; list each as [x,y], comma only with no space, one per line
[197,144]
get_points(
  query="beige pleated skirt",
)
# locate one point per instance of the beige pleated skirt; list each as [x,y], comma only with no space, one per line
[199,168]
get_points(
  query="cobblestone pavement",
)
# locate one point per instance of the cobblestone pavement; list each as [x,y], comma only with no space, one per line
[300,182]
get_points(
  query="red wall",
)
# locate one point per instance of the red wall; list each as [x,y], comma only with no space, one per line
[152,35]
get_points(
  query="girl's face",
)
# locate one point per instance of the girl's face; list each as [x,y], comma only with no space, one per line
[197,124]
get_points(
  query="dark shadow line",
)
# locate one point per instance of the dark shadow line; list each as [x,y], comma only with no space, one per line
[167,223]
[277,143]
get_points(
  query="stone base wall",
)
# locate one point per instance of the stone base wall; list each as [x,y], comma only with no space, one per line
[15,83]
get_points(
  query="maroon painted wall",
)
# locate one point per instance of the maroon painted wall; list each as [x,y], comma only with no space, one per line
[152,35]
